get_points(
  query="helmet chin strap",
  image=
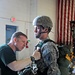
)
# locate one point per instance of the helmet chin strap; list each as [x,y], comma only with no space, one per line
[42,32]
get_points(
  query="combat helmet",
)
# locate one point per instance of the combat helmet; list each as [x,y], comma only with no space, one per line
[44,21]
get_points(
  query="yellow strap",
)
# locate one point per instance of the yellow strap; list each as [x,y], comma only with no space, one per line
[68,57]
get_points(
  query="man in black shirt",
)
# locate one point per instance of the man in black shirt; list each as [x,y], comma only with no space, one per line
[8,63]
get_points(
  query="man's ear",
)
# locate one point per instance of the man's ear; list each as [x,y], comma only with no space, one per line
[15,39]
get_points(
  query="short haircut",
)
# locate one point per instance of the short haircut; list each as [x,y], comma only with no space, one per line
[18,34]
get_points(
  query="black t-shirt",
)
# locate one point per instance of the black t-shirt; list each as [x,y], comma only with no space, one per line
[7,55]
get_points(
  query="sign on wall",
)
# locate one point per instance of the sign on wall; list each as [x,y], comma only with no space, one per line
[9,31]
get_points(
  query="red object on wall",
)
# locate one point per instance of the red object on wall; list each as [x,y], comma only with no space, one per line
[13,19]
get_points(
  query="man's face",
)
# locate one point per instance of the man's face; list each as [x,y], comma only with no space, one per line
[38,31]
[20,43]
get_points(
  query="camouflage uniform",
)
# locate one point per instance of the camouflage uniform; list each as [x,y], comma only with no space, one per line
[48,61]
[47,65]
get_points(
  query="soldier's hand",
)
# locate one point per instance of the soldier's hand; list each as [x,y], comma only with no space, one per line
[36,54]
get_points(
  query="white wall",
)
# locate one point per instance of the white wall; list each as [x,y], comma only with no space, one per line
[15,8]
[48,7]
[25,11]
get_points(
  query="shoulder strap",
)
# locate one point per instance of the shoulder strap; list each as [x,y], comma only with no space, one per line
[57,52]
[49,40]
[41,43]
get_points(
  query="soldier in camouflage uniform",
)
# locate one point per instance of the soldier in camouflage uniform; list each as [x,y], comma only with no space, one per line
[47,65]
